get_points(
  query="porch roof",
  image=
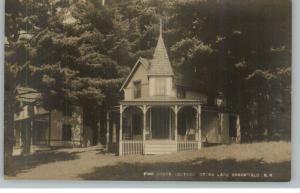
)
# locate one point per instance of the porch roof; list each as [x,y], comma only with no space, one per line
[165,101]
[162,100]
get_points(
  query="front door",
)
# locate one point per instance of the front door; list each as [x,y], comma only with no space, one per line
[160,123]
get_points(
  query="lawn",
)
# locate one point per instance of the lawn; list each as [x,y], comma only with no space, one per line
[267,161]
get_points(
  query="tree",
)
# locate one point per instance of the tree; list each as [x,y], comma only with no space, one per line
[80,52]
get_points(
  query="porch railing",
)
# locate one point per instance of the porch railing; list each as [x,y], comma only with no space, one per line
[135,147]
[132,147]
[187,146]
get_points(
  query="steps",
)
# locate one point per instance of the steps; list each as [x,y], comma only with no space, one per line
[155,147]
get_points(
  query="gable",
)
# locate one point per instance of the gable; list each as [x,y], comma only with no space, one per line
[139,69]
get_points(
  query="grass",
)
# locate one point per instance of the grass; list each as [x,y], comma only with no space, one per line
[223,162]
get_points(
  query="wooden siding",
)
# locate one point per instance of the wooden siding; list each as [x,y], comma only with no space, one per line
[57,121]
[212,131]
[170,91]
[139,75]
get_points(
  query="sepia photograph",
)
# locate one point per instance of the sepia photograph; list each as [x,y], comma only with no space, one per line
[148,90]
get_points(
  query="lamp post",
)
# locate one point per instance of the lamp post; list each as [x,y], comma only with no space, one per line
[220,100]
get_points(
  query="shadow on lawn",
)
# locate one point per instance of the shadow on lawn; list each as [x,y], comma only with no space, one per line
[175,171]
[23,163]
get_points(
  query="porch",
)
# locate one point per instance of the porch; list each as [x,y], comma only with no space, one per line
[154,127]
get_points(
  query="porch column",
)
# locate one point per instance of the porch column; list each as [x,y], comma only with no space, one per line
[144,122]
[170,124]
[197,124]
[199,127]
[120,130]
[176,111]
[107,130]
[238,129]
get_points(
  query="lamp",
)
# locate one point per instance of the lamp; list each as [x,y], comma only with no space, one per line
[220,99]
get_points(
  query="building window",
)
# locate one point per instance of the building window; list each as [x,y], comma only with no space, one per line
[160,86]
[180,93]
[66,132]
[137,90]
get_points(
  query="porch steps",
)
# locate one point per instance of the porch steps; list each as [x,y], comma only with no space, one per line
[160,147]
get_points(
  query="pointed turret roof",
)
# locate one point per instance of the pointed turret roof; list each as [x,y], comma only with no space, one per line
[160,64]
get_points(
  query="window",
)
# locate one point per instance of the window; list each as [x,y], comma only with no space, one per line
[160,86]
[66,132]
[180,93]
[137,90]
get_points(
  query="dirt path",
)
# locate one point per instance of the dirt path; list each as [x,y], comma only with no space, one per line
[93,164]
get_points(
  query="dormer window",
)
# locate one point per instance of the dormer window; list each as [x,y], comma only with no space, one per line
[137,90]
[160,86]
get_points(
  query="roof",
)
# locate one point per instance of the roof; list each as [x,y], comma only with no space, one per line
[160,64]
[27,94]
[162,100]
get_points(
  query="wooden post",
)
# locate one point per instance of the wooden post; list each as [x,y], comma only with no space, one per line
[199,127]
[220,129]
[120,130]
[170,124]
[175,130]
[20,137]
[31,135]
[107,130]
[99,132]
[238,129]
[144,122]
[150,128]
[221,122]
[49,132]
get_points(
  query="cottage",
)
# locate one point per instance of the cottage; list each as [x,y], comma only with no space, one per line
[160,115]
[36,128]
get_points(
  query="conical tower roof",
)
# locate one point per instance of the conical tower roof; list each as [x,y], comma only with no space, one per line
[160,64]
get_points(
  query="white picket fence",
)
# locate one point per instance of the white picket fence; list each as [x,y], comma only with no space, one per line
[135,147]
[187,146]
[132,147]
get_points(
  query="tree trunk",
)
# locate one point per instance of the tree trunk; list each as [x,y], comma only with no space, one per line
[8,131]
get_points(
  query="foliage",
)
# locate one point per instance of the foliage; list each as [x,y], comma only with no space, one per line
[79,52]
